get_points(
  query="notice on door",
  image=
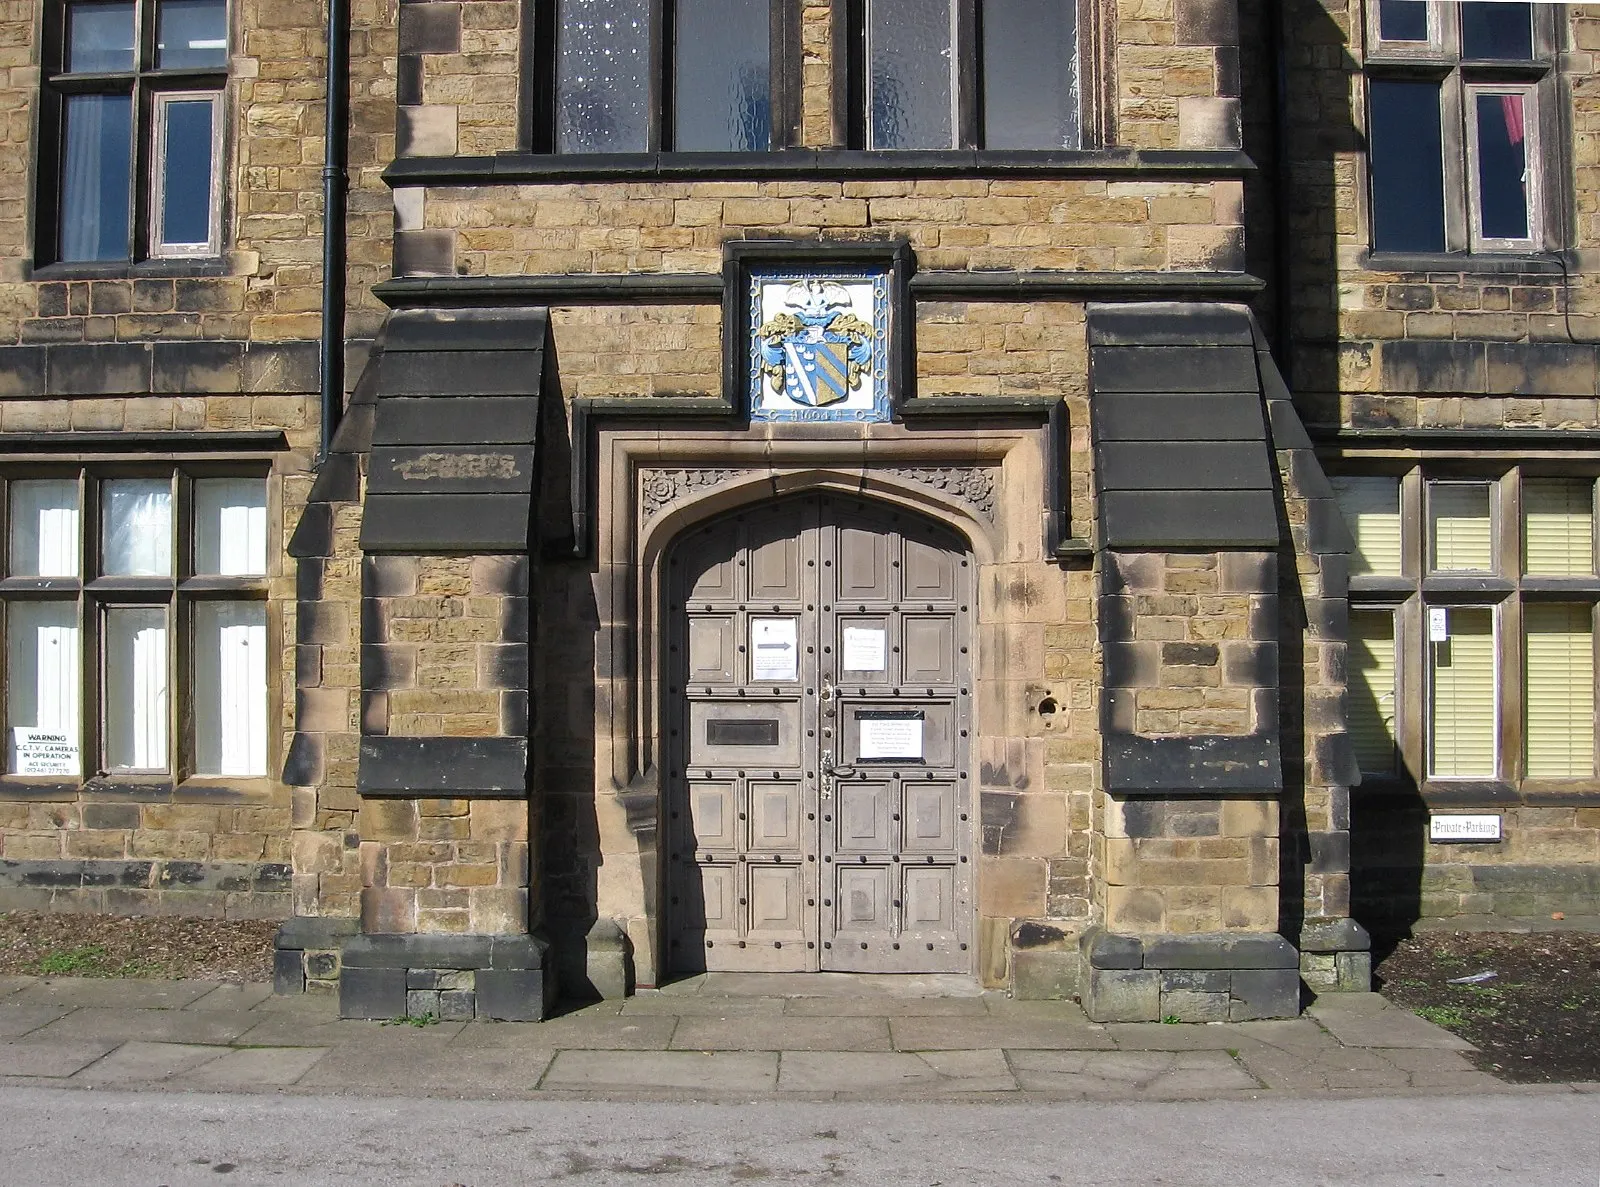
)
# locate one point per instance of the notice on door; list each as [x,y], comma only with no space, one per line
[45,752]
[866,649]
[896,736]
[774,649]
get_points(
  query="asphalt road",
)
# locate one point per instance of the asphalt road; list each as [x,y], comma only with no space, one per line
[52,1136]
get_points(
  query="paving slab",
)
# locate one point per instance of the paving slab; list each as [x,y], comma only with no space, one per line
[1291,1034]
[1159,1036]
[256,1067]
[1392,1027]
[719,1072]
[883,1007]
[16,1021]
[55,1059]
[520,1036]
[10,985]
[967,1034]
[782,1034]
[156,1026]
[233,997]
[122,993]
[1321,1071]
[1164,1075]
[636,1033]
[663,1005]
[852,985]
[145,1063]
[972,1071]
[853,1072]
[1000,1006]
[446,1071]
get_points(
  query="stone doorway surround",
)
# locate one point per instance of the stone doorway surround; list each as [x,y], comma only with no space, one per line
[989,483]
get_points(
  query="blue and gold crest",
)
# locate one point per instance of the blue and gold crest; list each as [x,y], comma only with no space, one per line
[819,345]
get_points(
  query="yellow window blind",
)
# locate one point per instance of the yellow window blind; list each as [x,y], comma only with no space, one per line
[1560,695]
[1372,692]
[1459,526]
[1371,508]
[1462,717]
[1558,528]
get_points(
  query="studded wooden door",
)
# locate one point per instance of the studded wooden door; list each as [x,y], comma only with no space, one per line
[819,695]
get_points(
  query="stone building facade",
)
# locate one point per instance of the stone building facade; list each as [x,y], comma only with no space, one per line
[1040,510]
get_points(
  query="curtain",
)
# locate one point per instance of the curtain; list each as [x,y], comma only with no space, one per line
[1560,693]
[1462,540]
[94,198]
[1558,528]
[230,526]
[1372,689]
[42,669]
[1371,508]
[44,528]
[1511,108]
[138,527]
[230,692]
[136,689]
[1464,712]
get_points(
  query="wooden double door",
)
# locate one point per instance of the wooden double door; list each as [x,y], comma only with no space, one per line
[819,808]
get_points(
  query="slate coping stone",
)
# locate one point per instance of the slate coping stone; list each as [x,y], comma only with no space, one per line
[1220,951]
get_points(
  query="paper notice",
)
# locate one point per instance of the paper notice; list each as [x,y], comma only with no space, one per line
[774,649]
[44,752]
[891,737]
[866,649]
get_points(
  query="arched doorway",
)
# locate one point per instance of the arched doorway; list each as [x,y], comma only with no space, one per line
[819,710]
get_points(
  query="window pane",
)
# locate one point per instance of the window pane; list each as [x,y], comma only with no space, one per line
[1406,156]
[1560,700]
[1496,30]
[42,687]
[1558,528]
[1459,526]
[1502,166]
[1402,20]
[134,688]
[186,171]
[603,76]
[1030,78]
[910,73]
[230,527]
[230,688]
[723,76]
[100,37]
[1371,508]
[44,528]
[1462,713]
[192,33]
[136,531]
[1371,694]
[94,177]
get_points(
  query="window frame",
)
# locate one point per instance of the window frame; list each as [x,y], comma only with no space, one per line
[1440,60]
[541,46]
[1505,592]
[143,82]
[212,246]
[93,593]
[852,100]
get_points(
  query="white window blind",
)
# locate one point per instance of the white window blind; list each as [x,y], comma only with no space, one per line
[134,700]
[1462,712]
[230,527]
[136,535]
[1560,691]
[41,670]
[1372,690]
[1460,532]
[44,528]
[1371,508]
[1558,528]
[230,688]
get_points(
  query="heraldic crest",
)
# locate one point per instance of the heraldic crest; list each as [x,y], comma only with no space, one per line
[816,351]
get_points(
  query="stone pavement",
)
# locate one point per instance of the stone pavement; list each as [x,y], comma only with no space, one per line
[716,1037]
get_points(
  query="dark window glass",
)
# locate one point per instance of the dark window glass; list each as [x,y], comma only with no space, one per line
[603,76]
[100,37]
[1496,30]
[1402,20]
[186,172]
[1406,154]
[94,177]
[1502,166]
[191,33]
[722,76]
[910,73]
[1030,97]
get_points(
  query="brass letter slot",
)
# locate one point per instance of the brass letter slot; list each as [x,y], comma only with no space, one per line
[741,732]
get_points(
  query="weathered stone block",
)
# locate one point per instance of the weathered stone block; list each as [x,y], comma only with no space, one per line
[372,992]
[516,995]
[1264,993]
[1045,974]
[1122,995]
[1189,1005]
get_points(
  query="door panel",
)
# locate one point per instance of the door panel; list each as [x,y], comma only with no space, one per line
[825,819]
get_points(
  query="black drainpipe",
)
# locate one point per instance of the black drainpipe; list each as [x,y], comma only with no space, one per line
[1283,193]
[334,185]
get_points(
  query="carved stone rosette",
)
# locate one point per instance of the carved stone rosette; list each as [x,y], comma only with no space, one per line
[973,485]
[659,489]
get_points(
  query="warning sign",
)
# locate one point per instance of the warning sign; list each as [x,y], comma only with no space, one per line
[45,752]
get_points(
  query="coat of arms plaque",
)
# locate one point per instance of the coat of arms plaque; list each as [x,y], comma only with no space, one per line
[819,345]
